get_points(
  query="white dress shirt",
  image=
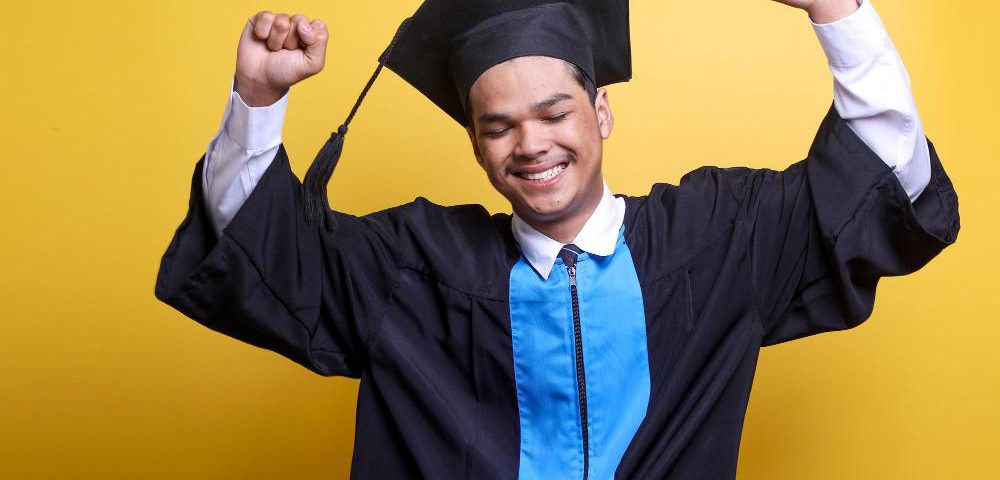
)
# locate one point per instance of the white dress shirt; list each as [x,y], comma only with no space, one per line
[871,91]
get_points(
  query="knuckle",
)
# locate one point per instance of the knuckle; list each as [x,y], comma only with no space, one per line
[262,24]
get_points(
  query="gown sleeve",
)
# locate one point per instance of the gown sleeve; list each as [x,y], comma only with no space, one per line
[275,282]
[824,231]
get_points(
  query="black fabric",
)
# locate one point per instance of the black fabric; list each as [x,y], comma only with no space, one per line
[733,259]
[411,299]
[414,300]
[557,30]
[447,44]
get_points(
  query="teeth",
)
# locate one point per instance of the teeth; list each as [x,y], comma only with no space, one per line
[546,174]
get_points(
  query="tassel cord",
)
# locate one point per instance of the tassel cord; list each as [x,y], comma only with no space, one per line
[316,201]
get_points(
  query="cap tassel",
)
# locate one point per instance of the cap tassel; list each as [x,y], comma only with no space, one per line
[317,204]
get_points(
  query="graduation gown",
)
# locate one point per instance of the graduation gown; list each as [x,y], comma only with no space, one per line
[415,300]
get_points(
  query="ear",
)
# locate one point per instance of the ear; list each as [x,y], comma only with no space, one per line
[471,130]
[605,120]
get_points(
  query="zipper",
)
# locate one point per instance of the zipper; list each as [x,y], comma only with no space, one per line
[580,376]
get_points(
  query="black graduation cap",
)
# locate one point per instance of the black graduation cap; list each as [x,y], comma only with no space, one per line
[447,44]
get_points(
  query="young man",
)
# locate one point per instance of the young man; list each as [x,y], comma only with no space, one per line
[587,335]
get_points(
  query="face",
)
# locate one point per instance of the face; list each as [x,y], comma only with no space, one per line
[539,138]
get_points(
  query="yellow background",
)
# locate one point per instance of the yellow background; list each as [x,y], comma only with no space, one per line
[107,106]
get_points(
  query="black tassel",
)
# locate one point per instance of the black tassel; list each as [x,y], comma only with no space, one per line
[317,204]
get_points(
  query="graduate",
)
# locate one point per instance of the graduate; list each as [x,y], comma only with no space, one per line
[588,334]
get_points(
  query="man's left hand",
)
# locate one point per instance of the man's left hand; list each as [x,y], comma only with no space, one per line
[824,11]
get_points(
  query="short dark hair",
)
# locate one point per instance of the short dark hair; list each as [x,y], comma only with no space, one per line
[584,80]
[574,70]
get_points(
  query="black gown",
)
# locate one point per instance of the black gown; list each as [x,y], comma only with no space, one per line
[413,300]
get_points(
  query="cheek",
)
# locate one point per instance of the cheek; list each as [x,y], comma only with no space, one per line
[492,157]
[582,140]
[495,150]
[492,164]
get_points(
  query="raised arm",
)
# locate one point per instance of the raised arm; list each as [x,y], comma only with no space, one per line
[250,266]
[275,51]
[871,86]
[865,204]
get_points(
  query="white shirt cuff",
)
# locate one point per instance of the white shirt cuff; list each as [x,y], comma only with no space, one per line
[255,128]
[854,39]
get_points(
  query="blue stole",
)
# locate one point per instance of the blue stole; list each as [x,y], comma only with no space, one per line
[613,327]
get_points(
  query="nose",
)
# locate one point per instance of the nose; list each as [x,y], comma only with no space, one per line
[532,142]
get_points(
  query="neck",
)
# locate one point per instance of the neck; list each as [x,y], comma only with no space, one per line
[565,229]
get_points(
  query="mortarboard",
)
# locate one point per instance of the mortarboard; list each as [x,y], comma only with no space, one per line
[447,44]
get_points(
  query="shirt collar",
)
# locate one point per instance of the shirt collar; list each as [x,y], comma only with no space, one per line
[598,236]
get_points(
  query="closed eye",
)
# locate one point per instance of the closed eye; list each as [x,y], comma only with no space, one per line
[557,118]
[495,133]
[499,132]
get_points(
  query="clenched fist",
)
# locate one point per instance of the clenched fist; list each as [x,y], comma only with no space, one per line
[275,52]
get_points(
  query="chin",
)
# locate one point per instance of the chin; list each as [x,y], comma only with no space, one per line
[546,211]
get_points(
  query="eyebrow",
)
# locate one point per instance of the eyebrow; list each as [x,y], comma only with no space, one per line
[548,102]
[490,117]
[493,117]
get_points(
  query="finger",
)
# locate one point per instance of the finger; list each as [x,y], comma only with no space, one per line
[292,40]
[309,32]
[262,24]
[315,36]
[279,30]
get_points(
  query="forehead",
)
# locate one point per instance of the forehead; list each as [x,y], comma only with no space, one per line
[523,79]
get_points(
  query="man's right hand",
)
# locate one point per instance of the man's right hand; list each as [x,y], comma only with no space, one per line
[275,52]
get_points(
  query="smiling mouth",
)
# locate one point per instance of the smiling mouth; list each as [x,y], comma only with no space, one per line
[544,175]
